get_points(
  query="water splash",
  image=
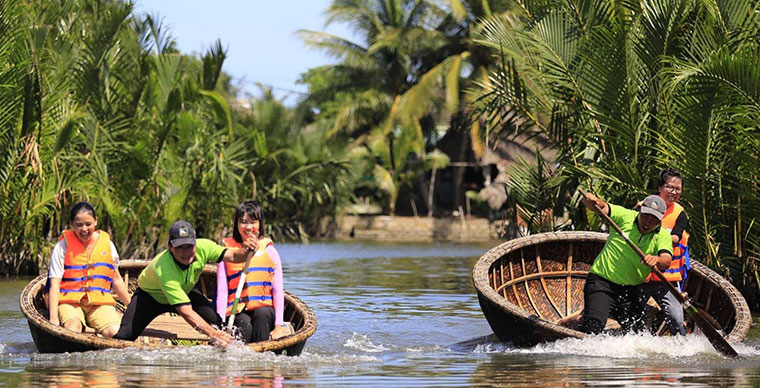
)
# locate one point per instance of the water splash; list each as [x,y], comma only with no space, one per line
[639,346]
[496,347]
[234,357]
[362,343]
[428,349]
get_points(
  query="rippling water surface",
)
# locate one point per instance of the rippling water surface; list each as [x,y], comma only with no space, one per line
[390,315]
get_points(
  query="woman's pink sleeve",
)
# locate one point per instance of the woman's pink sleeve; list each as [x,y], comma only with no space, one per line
[278,290]
[221,290]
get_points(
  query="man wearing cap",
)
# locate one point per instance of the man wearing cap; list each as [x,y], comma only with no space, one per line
[166,284]
[610,288]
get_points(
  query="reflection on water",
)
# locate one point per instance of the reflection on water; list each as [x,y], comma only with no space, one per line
[389,315]
[166,378]
[60,378]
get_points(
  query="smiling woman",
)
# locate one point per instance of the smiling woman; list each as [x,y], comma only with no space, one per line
[255,308]
[82,272]
[669,187]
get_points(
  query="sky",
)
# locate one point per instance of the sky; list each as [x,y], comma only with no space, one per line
[259,36]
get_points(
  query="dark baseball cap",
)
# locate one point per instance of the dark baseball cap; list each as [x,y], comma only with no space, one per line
[654,205]
[181,233]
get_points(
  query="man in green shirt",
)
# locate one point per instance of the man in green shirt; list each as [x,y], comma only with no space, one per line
[166,284]
[610,288]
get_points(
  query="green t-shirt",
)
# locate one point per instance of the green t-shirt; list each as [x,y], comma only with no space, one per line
[618,262]
[168,283]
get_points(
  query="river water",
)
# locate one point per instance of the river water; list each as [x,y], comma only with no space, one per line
[389,315]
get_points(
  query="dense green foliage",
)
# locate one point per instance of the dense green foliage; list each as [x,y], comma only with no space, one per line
[96,104]
[625,88]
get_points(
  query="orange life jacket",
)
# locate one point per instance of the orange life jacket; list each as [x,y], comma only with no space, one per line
[257,291]
[680,264]
[89,276]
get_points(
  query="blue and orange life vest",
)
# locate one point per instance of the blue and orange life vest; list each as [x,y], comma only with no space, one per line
[257,291]
[84,275]
[680,264]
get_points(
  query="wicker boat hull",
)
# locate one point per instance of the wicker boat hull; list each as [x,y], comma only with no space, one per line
[51,338]
[527,285]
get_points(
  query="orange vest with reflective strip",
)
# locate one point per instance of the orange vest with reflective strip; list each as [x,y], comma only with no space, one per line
[677,270]
[87,276]
[257,291]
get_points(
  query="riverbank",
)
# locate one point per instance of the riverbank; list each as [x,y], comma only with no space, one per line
[422,229]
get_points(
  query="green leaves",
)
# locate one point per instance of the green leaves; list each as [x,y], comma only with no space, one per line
[97,105]
[626,89]
[68,130]
[220,107]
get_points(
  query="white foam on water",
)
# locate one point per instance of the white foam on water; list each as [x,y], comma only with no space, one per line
[493,347]
[2,347]
[362,343]
[236,355]
[428,349]
[637,346]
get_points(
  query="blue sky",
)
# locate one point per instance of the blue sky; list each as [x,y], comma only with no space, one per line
[259,36]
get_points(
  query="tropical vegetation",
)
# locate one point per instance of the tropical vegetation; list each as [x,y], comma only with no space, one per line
[97,104]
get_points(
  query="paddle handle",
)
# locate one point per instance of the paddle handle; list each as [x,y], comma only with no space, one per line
[238,292]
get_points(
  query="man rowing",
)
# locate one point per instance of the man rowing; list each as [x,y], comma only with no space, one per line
[610,289]
[167,284]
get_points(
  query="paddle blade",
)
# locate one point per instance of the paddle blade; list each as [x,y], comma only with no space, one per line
[718,342]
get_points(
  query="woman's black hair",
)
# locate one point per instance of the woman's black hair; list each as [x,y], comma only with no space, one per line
[254,211]
[667,173]
[82,207]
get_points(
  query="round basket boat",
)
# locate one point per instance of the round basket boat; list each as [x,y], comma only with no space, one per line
[167,331]
[527,286]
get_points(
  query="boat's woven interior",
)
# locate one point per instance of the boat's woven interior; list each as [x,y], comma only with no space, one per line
[545,280]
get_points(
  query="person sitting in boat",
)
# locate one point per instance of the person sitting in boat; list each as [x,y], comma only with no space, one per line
[259,311]
[81,274]
[166,284]
[669,187]
[611,286]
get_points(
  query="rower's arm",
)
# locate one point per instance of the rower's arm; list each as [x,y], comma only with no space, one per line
[219,337]
[236,255]
[589,200]
[663,261]
[664,250]
[240,255]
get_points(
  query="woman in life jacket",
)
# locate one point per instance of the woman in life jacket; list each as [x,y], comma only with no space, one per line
[259,314]
[82,272]
[669,188]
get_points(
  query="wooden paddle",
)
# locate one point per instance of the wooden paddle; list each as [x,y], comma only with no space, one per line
[699,316]
[238,292]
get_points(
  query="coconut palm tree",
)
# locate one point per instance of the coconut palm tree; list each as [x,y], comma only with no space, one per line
[357,95]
